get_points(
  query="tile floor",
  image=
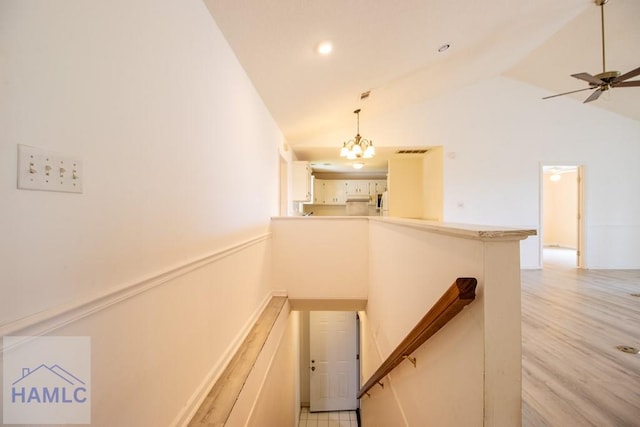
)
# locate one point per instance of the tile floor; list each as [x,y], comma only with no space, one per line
[327,419]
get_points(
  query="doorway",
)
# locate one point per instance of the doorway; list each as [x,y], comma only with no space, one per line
[562,238]
[330,359]
[283,170]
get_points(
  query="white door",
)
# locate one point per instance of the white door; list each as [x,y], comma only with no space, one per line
[333,361]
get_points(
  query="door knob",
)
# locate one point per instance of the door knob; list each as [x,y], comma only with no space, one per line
[313,368]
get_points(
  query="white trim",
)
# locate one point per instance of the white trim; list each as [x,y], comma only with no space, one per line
[464,231]
[193,403]
[57,317]
[278,324]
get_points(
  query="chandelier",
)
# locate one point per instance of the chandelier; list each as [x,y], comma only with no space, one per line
[358,147]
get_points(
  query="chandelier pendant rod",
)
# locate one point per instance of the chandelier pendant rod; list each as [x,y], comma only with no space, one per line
[357,147]
[604,67]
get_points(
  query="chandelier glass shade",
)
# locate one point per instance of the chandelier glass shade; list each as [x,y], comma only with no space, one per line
[358,147]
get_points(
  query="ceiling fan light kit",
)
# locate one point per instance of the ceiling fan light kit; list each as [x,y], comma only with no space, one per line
[607,79]
[358,147]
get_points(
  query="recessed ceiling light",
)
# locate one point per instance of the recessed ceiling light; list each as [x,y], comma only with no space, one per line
[325,48]
[358,165]
[444,47]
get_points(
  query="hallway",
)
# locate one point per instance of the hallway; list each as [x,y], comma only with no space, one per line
[559,258]
[572,322]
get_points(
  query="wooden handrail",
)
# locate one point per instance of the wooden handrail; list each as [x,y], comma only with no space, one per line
[461,293]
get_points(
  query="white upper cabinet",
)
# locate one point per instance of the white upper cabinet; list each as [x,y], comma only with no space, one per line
[301,180]
[376,188]
[358,188]
[318,191]
[379,186]
[337,191]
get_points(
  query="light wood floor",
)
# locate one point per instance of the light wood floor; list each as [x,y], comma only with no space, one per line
[572,321]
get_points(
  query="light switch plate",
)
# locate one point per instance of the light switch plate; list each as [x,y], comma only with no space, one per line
[39,169]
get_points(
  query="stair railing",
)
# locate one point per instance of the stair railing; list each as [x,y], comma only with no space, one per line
[461,293]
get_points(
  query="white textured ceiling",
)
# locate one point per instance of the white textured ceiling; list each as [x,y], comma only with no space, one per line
[391,48]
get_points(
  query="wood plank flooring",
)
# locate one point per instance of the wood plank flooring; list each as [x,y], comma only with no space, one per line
[572,321]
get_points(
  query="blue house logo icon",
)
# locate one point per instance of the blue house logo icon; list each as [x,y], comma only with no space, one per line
[48,385]
[46,380]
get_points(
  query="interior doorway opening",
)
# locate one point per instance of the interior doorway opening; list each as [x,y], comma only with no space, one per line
[329,360]
[283,187]
[562,239]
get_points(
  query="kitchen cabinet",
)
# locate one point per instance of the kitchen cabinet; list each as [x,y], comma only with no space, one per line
[336,192]
[375,188]
[378,187]
[301,182]
[318,191]
[358,188]
[329,192]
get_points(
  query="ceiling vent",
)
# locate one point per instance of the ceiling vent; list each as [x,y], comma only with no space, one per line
[420,151]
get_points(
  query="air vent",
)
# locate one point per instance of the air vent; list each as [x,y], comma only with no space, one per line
[627,349]
[421,151]
[365,95]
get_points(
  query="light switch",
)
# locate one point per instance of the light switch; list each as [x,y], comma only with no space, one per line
[39,169]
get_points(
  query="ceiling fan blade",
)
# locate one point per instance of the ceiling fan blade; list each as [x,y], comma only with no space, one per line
[595,95]
[627,76]
[588,78]
[635,83]
[567,93]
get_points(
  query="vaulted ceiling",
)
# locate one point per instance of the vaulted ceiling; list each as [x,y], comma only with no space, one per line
[391,49]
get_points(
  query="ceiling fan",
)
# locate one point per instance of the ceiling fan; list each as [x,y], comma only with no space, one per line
[607,79]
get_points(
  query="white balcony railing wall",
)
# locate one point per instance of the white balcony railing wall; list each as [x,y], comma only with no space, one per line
[168,336]
[469,373]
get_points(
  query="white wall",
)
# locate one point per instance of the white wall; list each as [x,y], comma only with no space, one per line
[180,154]
[406,187]
[496,133]
[382,409]
[495,172]
[467,374]
[180,161]
[410,271]
[433,183]
[321,257]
